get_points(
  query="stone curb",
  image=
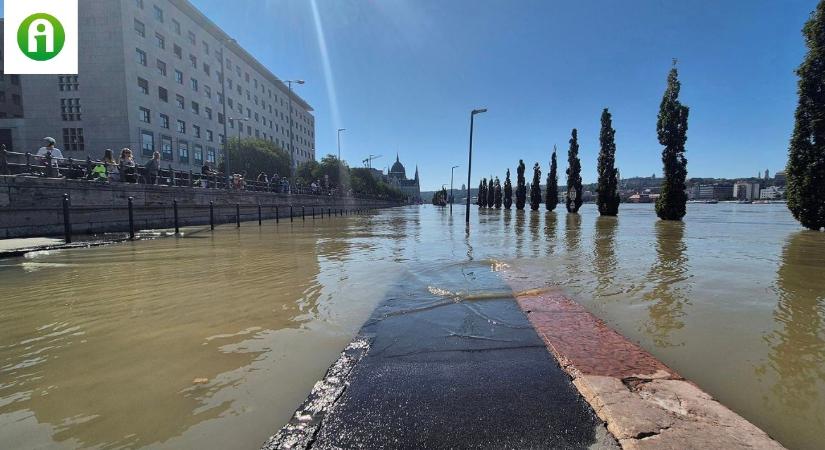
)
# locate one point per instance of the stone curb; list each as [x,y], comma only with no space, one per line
[645,404]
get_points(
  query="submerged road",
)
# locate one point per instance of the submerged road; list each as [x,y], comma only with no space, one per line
[435,369]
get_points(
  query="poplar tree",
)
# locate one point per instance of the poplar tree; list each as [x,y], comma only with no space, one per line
[672,130]
[508,191]
[491,193]
[552,198]
[521,189]
[535,188]
[482,195]
[497,197]
[574,175]
[608,186]
[806,154]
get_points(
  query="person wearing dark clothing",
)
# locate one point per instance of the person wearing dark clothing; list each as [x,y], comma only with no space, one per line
[206,174]
[153,169]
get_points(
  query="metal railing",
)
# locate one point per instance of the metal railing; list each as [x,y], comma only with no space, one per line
[29,164]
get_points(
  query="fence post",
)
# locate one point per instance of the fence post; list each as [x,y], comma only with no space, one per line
[28,162]
[329,213]
[260,220]
[211,215]
[131,219]
[303,214]
[171,176]
[313,213]
[67,223]
[291,214]
[190,178]
[4,165]
[277,215]
[238,214]
[175,208]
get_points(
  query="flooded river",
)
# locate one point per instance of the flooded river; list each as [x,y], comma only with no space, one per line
[213,339]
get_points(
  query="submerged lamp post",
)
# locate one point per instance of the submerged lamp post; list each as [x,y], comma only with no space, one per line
[339,142]
[452,172]
[470,164]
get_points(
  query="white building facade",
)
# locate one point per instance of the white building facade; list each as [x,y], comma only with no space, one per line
[151,78]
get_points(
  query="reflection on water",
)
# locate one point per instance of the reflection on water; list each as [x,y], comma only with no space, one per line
[668,296]
[797,346]
[212,341]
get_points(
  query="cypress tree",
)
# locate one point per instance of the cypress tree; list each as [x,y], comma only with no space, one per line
[806,155]
[672,129]
[491,193]
[480,197]
[535,188]
[574,175]
[608,187]
[521,189]
[552,198]
[497,196]
[508,191]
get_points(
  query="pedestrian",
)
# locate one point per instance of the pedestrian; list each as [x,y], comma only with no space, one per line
[127,166]
[152,169]
[206,172]
[49,155]
[109,163]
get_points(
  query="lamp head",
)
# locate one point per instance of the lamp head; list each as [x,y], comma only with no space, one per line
[479,111]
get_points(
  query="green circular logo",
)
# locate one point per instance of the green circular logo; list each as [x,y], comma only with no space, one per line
[41,37]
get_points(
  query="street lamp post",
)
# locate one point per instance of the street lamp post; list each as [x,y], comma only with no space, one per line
[238,124]
[291,137]
[339,142]
[470,164]
[452,171]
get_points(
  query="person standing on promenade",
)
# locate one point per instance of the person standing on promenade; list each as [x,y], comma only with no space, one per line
[50,152]
[153,169]
[206,172]
[110,165]
[127,166]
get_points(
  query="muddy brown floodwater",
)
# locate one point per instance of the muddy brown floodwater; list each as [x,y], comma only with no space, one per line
[211,340]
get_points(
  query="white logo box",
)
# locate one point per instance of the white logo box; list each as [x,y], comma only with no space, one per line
[15,61]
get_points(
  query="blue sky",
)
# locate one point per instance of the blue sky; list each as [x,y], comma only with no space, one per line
[402,75]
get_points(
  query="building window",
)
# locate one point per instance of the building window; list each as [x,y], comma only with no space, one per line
[164,121]
[210,136]
[221,119]
[207,91]
[163,94]
[196,130]
[140,56]
[229,82]
[69,108]
[197,154]
[194,60]
[147,142]
[181,127]
[192,38]
[205,47]
[183,151]
[160,41]
[196,108]
[139,4]
[180,101]
[208,112]
[140,28]
[158,14]
[162,68]
[67,82]
[73,139]
[231,103]
[145,115]
[143,85]
[210,155]
[177,51]
[179,76]
[207,70]
[176,26]
[194,83]
[166,148]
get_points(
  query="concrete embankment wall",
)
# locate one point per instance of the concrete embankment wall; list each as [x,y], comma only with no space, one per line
[34,206]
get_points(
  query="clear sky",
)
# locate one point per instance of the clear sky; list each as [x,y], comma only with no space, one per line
[403,75]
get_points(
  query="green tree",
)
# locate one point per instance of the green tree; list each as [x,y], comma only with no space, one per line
[806,155]
[608,186]
[497,194]
[535,188]
[574,175]
[255,156]
[521,188]
[552,198]
[480,197]
[672,128]
[508,191]
[491,193]
[364,183]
